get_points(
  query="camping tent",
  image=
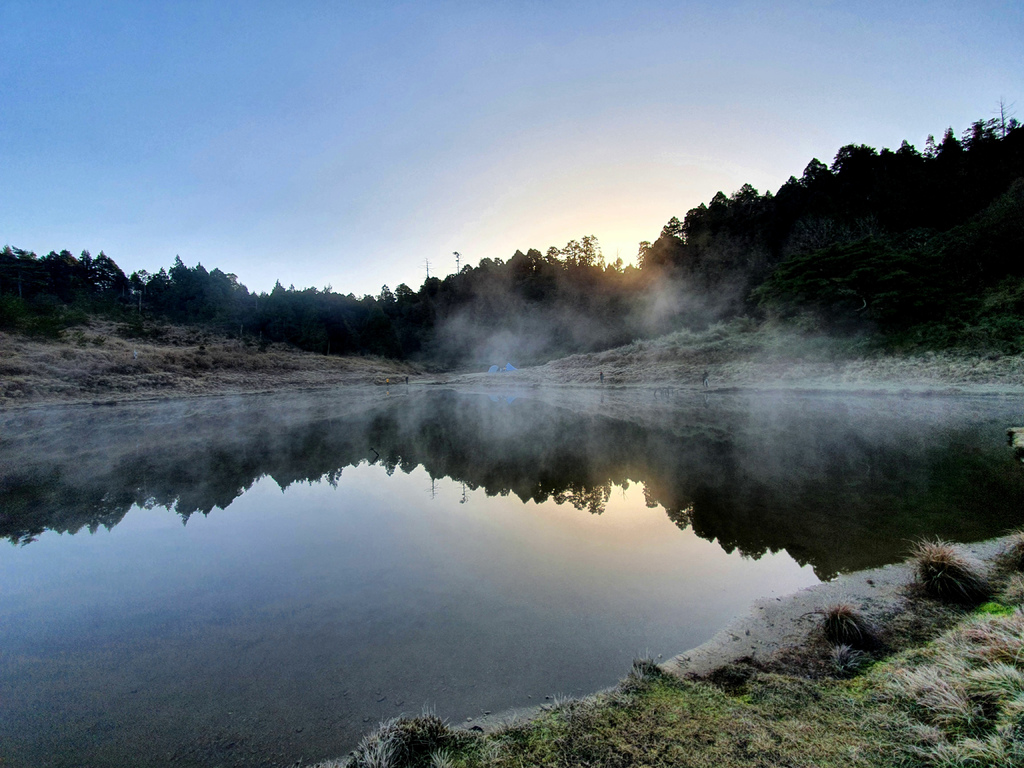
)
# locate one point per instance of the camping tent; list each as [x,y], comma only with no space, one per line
[510,367]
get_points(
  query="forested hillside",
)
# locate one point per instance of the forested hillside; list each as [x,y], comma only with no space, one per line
[916,248]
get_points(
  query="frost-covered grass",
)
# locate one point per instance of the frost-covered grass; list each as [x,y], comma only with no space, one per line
[99,360]
[656,719]
[743,352]
[967,690]
[956,701]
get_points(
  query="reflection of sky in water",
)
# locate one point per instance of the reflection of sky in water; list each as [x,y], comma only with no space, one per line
[316,608]
[286,623]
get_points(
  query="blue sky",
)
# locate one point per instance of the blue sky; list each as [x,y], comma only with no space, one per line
[344,143]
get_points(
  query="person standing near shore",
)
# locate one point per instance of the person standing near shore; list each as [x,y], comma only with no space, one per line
[602,377]
[704,380]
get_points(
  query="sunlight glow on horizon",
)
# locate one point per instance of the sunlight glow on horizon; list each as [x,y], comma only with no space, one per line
[316,145]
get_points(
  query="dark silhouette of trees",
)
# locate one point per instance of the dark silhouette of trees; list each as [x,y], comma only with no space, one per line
[923,246]
[917,245]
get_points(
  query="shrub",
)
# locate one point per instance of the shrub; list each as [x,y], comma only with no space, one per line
[12,312]
[49,326]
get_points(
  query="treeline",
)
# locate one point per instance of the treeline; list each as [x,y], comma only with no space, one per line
[528,307]
[922,247]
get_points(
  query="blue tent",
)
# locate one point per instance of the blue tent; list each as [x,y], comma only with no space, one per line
[493,369]
[510,367]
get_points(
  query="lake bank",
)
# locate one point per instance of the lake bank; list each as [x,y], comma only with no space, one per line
[770,689]
[96,365]
[669,373]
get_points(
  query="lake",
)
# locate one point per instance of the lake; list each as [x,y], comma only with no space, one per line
[260,580]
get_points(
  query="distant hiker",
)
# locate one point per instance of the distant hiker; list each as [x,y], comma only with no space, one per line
[135,354]
[705,380]
[602,377]
[406,379]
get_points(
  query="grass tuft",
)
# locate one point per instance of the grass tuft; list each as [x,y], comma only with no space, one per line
[843,624]
[947,575]
[846,660]
[1013,555]
[644,671]
[989,640]
[406,741]
[996,681]
[1013,591]
[993,750]
[940,698]
[442,758]
[378,749]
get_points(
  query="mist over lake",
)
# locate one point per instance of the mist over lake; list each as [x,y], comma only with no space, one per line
[258,580]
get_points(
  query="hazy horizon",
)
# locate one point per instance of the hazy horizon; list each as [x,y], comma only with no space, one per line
[345,145]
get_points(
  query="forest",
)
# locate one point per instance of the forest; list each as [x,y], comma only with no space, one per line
[914,249]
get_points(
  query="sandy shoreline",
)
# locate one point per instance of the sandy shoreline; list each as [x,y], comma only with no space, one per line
[776,624]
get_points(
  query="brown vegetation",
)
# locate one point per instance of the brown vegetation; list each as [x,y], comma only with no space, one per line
[744,354]
[101,362]
[1013,557]
[843,624]
[947,575]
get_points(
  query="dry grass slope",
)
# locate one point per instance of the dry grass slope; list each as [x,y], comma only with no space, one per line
[99,363]
[745,354]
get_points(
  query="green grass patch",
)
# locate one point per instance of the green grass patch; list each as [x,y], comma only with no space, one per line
[995,609]
[665,721]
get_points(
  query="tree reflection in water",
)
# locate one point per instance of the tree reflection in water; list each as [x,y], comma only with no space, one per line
[840,484]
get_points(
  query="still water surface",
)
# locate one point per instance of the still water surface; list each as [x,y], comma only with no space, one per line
[343,560]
